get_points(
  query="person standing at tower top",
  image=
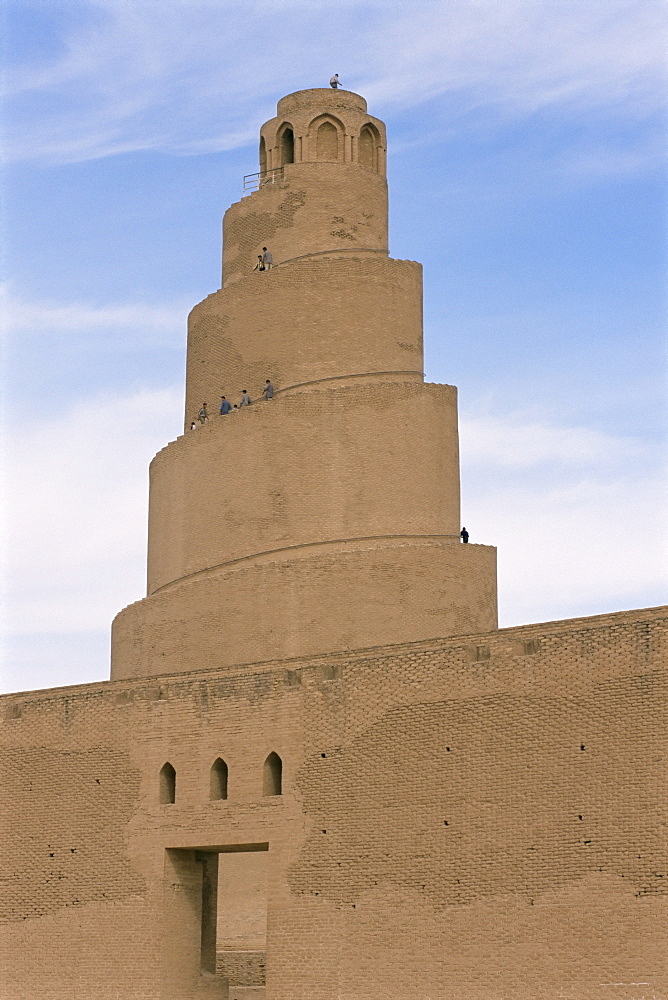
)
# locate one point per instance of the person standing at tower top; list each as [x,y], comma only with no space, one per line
[335,82]
[464,535]
[267,259]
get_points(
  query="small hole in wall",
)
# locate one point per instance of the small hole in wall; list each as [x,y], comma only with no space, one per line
[448,749]
[582,746]
[579,817]
[324,831]
[323,754]
[445,823]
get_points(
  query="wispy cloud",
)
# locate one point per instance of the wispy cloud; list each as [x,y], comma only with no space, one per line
[43,318]
[519,441]
[577,514]
[186,77]
[75,517]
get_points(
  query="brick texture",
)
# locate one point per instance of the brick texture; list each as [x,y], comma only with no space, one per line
[449,826]
[320,771]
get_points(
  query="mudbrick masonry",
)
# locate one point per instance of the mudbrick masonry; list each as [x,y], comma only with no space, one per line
[319,770]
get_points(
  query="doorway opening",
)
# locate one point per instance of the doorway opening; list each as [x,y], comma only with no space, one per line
[215,920]
[241,925]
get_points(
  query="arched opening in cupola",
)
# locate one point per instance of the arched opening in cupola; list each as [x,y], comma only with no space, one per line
[286,145]
[368,148]
[327,142]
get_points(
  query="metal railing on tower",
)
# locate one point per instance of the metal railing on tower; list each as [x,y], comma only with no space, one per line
[253,182]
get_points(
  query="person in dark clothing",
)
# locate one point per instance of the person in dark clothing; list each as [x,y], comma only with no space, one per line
[464,535]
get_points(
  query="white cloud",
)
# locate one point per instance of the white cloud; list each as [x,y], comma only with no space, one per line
[578,516]
[75,515]
[191,77]
[521,441]
[19,316]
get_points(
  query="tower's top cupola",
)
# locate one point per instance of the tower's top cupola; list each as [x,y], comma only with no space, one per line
[321,187]
[323,125]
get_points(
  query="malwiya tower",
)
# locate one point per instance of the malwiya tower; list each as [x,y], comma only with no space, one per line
[328,518]
[320,771]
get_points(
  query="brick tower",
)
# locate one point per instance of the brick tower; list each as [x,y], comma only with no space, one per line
[320,771]
[327,518]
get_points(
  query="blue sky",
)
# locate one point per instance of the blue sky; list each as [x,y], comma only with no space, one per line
[527,174]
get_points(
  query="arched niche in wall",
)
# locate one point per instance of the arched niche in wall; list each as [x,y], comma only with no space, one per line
[263,155]
[167,786]
[286,144]
[272,778]
[328,133]
[218,779]
[369,142]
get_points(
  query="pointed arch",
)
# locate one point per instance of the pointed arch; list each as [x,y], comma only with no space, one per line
[263,155]
[218,779]
[369,142]
[272,779]
[286,144]
[167,790]
[327,134]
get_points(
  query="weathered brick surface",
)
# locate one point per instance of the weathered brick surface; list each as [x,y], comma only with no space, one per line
[327,198]
[546,881]
[313,718]
[306,468]
[313,208]
[303,322]
[309,600]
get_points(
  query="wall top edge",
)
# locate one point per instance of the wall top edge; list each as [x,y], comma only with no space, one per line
[655,615]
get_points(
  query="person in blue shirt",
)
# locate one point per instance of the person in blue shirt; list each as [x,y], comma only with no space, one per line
[225,405]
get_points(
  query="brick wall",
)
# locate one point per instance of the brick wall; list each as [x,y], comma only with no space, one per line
[478,817]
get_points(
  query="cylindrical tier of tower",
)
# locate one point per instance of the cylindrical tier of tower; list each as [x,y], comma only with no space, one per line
[326,518]
[321,598]
[321,187]
[361,460]
[303,323]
